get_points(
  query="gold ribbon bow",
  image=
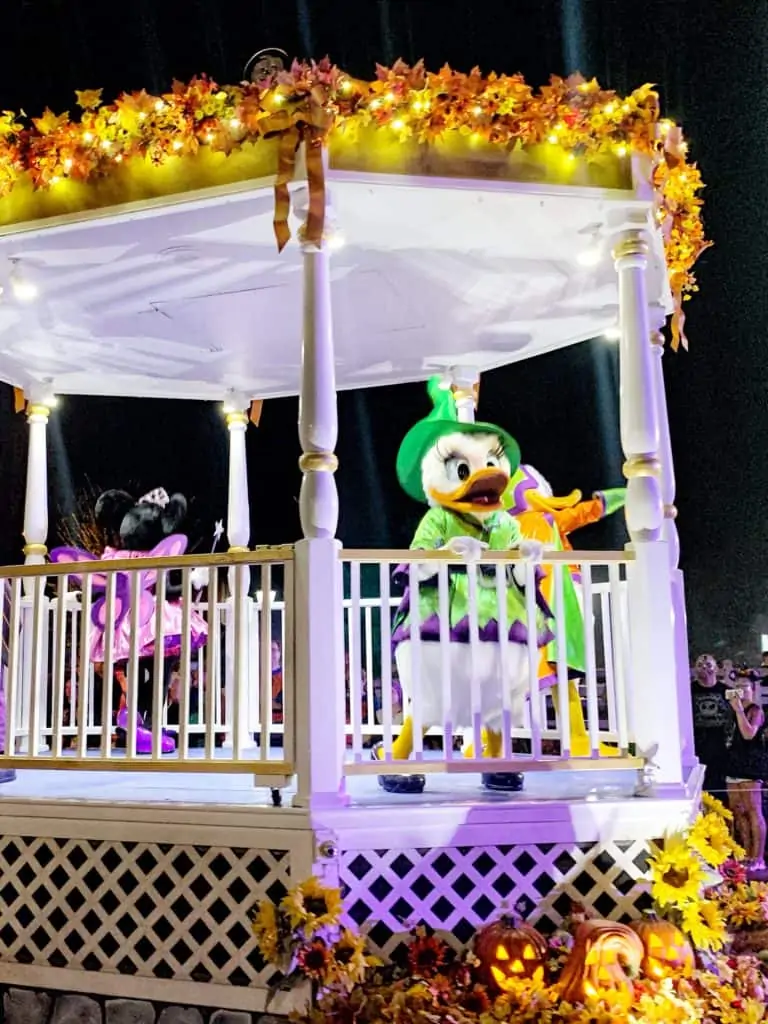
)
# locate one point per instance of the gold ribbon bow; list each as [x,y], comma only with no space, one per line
[309,123]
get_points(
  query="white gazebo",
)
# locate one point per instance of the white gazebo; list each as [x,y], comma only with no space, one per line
[414,254]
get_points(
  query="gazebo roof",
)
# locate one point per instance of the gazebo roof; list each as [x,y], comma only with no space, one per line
[158,274]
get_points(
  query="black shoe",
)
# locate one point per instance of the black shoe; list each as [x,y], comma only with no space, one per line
[398,783]
[503,782]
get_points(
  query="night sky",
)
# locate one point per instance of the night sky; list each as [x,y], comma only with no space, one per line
[709,60]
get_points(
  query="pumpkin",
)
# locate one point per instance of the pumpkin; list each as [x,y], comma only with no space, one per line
[667,951]
[604,957]
[508,950]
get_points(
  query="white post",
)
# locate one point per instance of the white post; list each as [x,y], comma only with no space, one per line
[653,675]
[668,487]
[318,581]
[237,684]
[35,552]
[463,383]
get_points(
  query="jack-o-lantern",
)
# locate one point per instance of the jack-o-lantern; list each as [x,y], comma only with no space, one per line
[605,956]
[667,951]
[509,950]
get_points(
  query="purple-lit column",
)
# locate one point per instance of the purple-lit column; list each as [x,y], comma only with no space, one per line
[318,586]
[653,675]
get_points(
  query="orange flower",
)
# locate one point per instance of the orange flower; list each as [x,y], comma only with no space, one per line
[426,955]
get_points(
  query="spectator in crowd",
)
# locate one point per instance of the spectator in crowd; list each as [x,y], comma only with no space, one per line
[712,718]
[277,684]
[746,768]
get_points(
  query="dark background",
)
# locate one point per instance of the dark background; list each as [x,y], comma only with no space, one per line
[710,61]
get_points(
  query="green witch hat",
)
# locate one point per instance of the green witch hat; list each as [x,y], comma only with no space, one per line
[441,421]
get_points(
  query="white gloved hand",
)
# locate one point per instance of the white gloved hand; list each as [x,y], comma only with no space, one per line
[469,549]
[529,551]
[198,578]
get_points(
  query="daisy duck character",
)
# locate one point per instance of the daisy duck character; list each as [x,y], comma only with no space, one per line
[551,520]
[461,470]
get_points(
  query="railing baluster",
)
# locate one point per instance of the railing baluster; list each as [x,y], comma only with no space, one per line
[500,576]
[185,664]
[59,663]
[475,692]
[416,663]
[446,683]
[133,664]
[14,667]
[211,667]
[265,663]
[369,666]
[158,666]
[607,635]
[108,668]
[561,633]
[355,666]
[533,660]
[618,655]
[593,712]
[385,632]
[85,664]
[287,665]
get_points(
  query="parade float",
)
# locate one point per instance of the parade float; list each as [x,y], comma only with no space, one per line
[300,233]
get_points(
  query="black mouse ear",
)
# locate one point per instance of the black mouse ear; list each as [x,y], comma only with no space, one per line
[174,514]
[111,506]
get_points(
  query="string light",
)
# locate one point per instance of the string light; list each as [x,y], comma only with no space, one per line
[398,124]
[235,123]
[106,144]
[88,137]
[68,164]
[159,106]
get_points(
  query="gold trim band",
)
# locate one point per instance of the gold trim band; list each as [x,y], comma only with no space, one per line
[670,512]
[237,550]
[463,394]
[318,462]
[634,245]
[38,410]
[235,418]
[640,466]
[34,549]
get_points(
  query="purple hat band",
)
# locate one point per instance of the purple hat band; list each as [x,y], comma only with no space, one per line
[527,482]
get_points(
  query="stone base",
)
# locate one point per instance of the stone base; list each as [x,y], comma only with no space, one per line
[31,1006]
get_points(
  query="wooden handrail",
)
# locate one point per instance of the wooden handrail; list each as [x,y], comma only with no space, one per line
[259,556]
[407,555]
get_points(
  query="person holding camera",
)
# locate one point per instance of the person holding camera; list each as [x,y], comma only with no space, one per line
[746,767]
[712,720]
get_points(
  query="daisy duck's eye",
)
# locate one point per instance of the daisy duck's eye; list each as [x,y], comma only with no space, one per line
[457,469]
[493,461]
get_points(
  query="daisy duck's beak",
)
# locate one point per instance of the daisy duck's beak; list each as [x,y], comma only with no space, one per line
[480,492]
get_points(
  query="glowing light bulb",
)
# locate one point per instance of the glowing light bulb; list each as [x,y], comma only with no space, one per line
[106,144]
[55,179]
[277,99]
[177,145]
[346,86]
[417,105]
[621,150]
[143,115]
[375,104]
[552,140]
[609,108]
[119,158]
[159,106]
[571,158]
[88,137]
[390,97]
[589,257]
[398,124]
[477,110]
[234,124]
[209,137]
[68,164]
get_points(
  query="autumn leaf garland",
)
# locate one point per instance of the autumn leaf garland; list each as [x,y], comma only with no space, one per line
[574,114]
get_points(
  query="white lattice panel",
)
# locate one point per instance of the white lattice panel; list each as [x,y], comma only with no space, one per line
[155,910]
[455,889]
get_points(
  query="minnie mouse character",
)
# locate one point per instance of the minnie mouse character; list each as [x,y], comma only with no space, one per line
[147,528]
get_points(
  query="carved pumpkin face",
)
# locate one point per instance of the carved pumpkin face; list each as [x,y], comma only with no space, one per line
[667,951]
[508,951]
[604,957]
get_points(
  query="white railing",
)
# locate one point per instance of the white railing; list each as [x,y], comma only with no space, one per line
[70,702]
[536,725]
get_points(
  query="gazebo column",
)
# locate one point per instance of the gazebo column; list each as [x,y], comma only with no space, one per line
[318,580]
[653,674]
[237,682]
[35,552]
[670,534]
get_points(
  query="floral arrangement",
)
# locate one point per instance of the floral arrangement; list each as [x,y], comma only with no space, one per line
[312,102]
[430,982]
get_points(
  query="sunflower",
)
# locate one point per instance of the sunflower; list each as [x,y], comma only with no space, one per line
[476,1000]
[265,929]
[314,960]
[704,922]
[677,874]
[349,962]
[746,913]
[311,906]
[711,839]
[712,805]
[426,954]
